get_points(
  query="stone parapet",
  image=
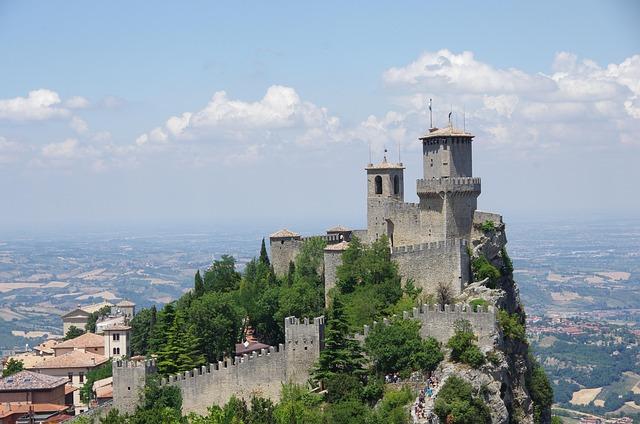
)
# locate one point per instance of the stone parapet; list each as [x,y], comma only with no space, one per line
[435,186]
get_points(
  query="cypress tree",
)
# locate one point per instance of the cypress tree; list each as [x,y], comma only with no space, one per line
[198,288]
[341,353]
[264,258]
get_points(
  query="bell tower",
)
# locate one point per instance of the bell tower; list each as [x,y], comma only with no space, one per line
[385,189]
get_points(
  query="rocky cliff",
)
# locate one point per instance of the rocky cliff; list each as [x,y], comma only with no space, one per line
[504,381]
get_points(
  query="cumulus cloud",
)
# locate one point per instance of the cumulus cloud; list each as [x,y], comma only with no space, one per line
[77,102]
[78,125]
[38,105]
[280,116]
[578,101]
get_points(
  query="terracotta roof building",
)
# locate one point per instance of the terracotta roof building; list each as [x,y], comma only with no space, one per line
[32,387]
[41,412]
[88,342]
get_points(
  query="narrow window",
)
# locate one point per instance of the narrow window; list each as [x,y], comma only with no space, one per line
[378,184]
[70,375]
[396,185]
[114,350]
[81,375]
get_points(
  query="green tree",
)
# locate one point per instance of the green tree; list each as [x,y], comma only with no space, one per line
[73,332]
[222,276]
[398,347]
[482,269]
[311,257]
[160,331]
[512,326]
[457,404]
[182,350]
[218,320]
[368,280]
[258,295]
[540,390]
[198,285]
[298,406]
[12,366]
[141,328]
[103,371]
[463,347]
[95,316]
[341,354]
[264,257]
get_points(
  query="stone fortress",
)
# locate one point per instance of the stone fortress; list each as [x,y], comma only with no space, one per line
[429,238]
[429,242]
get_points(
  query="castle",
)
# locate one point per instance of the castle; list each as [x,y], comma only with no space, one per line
[428,241]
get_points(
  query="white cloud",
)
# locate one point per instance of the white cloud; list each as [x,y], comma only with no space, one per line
[78,125]
[578,103]
[38,105]
[77,102]
[444,70]
[66,149]
[280,116]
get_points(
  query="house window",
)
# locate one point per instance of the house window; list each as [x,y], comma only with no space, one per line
[396,185]
[378,184]
[114,351]
[116,336]
[117,351]
[70,375]
[81,375]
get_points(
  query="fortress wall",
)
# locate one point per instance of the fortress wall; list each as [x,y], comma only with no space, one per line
[128,382]
[282,253]
[405,218]
[361,234]
[256,374]
[480,217]
[439,322]
[260,374]
[428,264]
[304,339]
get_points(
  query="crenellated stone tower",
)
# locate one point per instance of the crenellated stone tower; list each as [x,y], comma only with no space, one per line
[448,192]
[428,239]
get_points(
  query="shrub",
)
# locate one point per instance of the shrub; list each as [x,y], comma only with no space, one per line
[511,326]
[482,269]
[463,348]
[507,266]
[493,358]
[342,388]
[478,302]
[457,404]
[488,226]
[398,347]
[540,390]
[472,356]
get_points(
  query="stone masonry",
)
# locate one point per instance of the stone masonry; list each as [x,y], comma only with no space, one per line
[428,239]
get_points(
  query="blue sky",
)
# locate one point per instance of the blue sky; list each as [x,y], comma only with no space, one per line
[132,113]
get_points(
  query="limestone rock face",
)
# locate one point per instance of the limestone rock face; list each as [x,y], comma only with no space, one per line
[501,381]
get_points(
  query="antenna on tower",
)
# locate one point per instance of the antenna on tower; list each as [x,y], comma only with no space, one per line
[430,115]
[464,118]
[370,159]
[450,113]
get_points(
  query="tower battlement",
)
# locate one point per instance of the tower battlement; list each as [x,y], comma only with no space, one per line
[436,186]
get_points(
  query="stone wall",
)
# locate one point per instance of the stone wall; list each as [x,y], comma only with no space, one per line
[439,322]
[260,374]
[128,382]
[282,253]
[332,260]
[429,264]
